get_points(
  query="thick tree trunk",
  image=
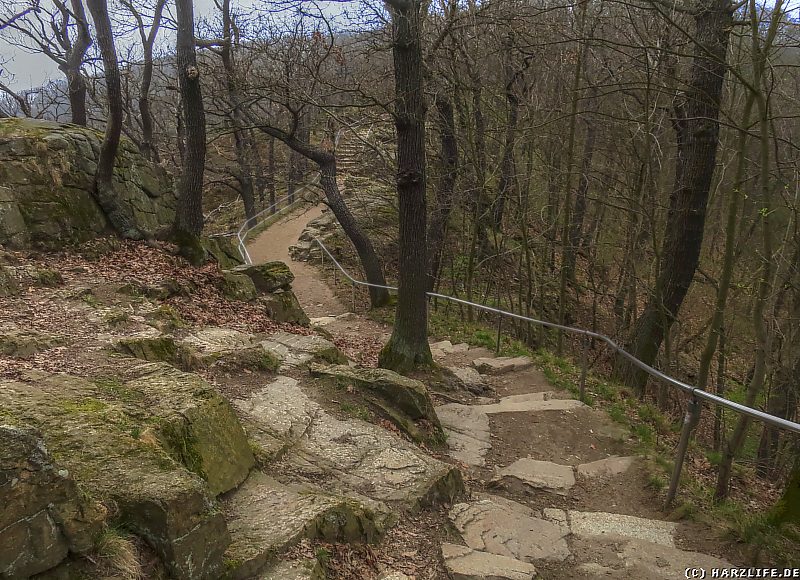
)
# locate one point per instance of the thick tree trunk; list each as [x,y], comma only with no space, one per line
[408,346]
[697,130]
[437,228]
[189,216]
[120,216]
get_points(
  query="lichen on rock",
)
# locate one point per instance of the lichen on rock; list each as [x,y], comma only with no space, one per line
[47,176]
[405,402]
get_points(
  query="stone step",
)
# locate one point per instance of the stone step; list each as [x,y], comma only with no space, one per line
[507,528]
[618,526]
[467,430]
[546,401]
[355,458]
[464,563]
[501,364]
[266,517]
[530,473]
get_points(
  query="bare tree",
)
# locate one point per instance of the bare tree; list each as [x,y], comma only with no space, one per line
[189,216]
[408,346]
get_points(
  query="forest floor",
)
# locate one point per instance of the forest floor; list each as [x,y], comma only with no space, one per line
[550,481]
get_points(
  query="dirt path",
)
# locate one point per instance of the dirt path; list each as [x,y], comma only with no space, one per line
[314,295]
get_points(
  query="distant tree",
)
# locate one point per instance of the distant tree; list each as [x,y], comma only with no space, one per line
[118,214]
[60,31]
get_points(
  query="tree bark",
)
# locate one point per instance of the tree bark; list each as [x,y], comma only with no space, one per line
[189,216]
[408,346]
[697,129]
[119,215]
[237,118]
[76,84]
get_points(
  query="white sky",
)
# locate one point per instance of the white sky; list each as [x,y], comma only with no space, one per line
[22,70]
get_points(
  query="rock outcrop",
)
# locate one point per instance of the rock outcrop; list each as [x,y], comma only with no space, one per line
[158,443]
[403,401]
[47,176]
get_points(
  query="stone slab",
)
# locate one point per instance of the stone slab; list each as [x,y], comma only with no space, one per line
[467,430]
[607,467]
[463,563]
[617,526]
[539,475]
[532,402]
[501,365]
[507,528]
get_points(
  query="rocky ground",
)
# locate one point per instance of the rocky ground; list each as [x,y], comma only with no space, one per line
[164,420]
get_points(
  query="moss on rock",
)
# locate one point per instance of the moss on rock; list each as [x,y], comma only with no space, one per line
[236,286]
[268,277]
[405,402]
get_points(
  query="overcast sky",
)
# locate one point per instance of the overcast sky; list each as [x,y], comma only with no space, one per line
[23,70]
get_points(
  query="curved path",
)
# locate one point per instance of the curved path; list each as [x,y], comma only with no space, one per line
[316,298]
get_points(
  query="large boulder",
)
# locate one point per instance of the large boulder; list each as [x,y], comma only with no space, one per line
[405,402]
[158,443]
[44,515]
[268,277]
[47,176]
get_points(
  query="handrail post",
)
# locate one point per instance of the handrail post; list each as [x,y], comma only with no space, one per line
[353,290]
[499,330]
[690,421]
[584,365]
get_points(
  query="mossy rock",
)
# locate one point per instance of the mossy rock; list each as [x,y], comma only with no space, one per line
[268,277]
[25,343]
[150,348]
[223,250]
[236,286]
[47,176]
[8,283]
[226,347]
[405,402]
[45,516]
[283,306]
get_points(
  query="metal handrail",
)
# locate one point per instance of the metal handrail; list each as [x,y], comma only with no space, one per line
[254,222]
[692,416]
[697,394]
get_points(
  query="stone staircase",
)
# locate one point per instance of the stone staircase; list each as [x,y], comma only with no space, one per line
[507,539]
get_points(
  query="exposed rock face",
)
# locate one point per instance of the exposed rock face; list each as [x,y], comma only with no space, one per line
[47,176]
[283,306]
[21,343]
[158,442]
[404,401]
[44,515]
[353,457]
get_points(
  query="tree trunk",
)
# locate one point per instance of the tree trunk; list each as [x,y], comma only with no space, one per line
[408,346]
[326,161]
[148,144]
[189,215]
[271,186]
[120,216]
[76,84]
[437,228]
[237,120]
[579,212]
[697,130]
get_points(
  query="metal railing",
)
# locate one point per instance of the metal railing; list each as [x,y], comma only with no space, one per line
[258,219]
[692,417]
